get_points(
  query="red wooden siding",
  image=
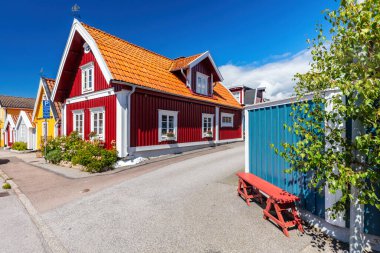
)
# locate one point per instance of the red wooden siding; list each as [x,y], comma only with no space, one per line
[109,104]
[234,132]
[100,82]
[144,118]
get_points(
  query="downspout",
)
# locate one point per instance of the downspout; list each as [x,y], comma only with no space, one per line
[129,121]
[187,81]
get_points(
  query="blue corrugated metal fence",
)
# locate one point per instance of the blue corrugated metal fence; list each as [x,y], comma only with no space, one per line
[266,128]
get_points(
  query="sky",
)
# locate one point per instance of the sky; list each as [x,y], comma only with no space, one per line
[254,42]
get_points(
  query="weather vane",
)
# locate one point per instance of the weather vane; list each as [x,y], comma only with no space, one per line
[41,72]
[75,11]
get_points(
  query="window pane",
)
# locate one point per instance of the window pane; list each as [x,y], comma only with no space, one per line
[90,78]
[171,122]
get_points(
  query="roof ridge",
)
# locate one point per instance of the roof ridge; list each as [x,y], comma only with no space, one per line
[15,96]
[123,40]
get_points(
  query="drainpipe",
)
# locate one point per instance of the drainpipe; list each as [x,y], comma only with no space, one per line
[129,121]
[187,81]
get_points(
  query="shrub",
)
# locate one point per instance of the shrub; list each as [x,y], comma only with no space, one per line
[94,157]
[20,146]
[54,156]
[90,154]
[6,186]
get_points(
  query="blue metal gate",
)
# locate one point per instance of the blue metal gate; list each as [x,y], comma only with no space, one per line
[266,127]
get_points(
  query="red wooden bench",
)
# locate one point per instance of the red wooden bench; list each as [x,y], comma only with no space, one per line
[251,186]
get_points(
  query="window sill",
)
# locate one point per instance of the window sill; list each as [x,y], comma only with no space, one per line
[163,139]
[87,91]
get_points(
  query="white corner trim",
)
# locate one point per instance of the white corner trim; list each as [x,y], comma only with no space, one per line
[201,58]
[24,117]
[78,27]
[89,96]
[40,86]
[247,141]
[217,122]
[9,119]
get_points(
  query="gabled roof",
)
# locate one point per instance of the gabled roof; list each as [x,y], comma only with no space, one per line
[11,119]
[27,117]
[47,85]
[127,63]
[16,102]
[183,62]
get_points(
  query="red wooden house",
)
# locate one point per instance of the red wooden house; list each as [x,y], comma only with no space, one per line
[144,102]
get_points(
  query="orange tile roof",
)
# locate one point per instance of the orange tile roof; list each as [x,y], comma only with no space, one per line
[30,116]
[133,64]
[14,118]
[183,62]
[58,106]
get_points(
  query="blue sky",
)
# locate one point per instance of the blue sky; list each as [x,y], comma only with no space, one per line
[250,40]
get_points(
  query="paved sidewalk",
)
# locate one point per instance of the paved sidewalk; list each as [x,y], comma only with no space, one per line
[17,231]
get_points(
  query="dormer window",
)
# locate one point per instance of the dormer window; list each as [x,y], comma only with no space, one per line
[87,77]
[202,84]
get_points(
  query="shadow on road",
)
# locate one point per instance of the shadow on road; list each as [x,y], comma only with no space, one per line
[322,242]
[4,161]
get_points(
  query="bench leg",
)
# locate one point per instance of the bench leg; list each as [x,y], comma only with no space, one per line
[242,191]
[279,220]
[297,219]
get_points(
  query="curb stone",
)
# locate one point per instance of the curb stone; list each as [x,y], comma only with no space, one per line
[48,236]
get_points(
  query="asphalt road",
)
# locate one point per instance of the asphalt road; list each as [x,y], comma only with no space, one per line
[17,231]
[187,206]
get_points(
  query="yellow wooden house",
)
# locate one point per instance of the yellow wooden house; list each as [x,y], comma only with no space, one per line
[46,128]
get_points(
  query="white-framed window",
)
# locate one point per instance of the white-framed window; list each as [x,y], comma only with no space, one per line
[98,122]
[78,122]
[87,77]
[237,95]
[207,125]
[202,84]
[227,119]
[167,125]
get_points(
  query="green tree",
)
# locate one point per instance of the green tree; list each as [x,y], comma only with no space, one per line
[349,61]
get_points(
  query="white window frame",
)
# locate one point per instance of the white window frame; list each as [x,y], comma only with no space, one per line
[94,111]
[209,116]
[227,124]
[235,93]
[85,69]
[175,123]
[75,113]
[197,87]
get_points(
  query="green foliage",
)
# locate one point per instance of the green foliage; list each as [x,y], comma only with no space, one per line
[6,186]
[349,63]
[54,156]
[90,154]
[20,146]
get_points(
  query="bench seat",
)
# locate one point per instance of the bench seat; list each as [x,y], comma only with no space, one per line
[251,186]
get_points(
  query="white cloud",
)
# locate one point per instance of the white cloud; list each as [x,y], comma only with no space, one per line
[275,76]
